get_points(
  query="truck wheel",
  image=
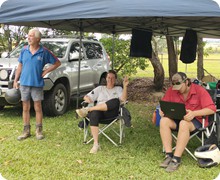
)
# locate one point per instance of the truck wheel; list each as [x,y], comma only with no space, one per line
[55,101]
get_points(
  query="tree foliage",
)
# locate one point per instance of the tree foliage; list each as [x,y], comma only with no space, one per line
[10,36]
[56,32]
[119,49]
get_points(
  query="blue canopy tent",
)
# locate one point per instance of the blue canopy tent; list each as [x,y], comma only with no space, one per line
[162,17]
[166,17]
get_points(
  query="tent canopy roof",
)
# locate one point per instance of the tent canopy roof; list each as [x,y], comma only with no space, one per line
[170,17]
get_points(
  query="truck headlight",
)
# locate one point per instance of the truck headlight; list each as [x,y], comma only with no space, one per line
[4,74]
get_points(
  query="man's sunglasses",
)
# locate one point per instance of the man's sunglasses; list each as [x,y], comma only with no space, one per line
[178,83]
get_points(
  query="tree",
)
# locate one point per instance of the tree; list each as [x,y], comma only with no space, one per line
[155,61]
[5,38]
[158,72]
[172,56]
[56,32]
[11,36]
[127,65]
[123,64]
[200,70]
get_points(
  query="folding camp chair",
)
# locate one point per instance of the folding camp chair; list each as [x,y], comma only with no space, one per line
[202,133]
[116,125]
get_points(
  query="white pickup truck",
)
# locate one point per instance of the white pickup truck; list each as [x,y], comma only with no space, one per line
[62,83]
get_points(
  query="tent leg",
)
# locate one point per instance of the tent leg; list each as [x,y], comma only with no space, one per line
[79,68]
[113,46]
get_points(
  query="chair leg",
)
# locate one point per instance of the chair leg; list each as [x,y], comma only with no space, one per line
[86,131]
[120,134]
[187,150]
[101,131]
[113,142]
[190,153]
[121,130]
[87,142]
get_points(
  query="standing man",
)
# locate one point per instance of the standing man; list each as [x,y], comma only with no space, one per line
[30,72]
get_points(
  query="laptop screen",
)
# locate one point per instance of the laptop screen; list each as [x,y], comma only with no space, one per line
[173,110]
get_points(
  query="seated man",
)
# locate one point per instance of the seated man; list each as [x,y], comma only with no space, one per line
[198,103]
[108,101]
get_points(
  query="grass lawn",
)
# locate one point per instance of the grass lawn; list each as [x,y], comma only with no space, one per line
[62,155]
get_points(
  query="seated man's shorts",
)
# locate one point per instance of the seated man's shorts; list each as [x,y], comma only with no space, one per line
[195,122]
[28,92]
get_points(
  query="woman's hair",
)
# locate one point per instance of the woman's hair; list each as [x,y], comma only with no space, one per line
[113,72]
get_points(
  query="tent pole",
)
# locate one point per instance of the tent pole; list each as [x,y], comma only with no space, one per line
[79,67]
[113,46]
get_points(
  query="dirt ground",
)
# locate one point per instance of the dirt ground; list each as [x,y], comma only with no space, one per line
[142,90]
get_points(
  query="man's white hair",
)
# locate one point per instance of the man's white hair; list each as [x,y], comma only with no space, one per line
[37,33]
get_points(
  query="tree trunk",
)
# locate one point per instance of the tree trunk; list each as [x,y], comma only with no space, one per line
[200,70]
[158,72]
[172,56]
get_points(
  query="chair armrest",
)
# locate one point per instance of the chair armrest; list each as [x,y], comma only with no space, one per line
[84,104]
[123,103]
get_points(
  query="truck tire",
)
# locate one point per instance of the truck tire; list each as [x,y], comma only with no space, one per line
[55,101]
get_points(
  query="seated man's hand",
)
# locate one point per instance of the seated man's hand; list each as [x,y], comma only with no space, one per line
[189,115]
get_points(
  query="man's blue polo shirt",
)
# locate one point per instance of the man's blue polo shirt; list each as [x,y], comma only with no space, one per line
[32,66]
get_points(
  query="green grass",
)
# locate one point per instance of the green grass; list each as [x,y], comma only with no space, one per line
[62,155]
[211,64]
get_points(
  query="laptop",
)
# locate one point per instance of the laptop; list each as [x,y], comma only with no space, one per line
[173,110]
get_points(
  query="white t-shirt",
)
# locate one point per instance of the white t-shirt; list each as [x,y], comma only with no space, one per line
[102,94]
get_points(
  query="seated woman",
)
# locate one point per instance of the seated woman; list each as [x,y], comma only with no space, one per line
[108,101]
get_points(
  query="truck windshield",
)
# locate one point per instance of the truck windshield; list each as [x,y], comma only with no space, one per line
[58,48]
